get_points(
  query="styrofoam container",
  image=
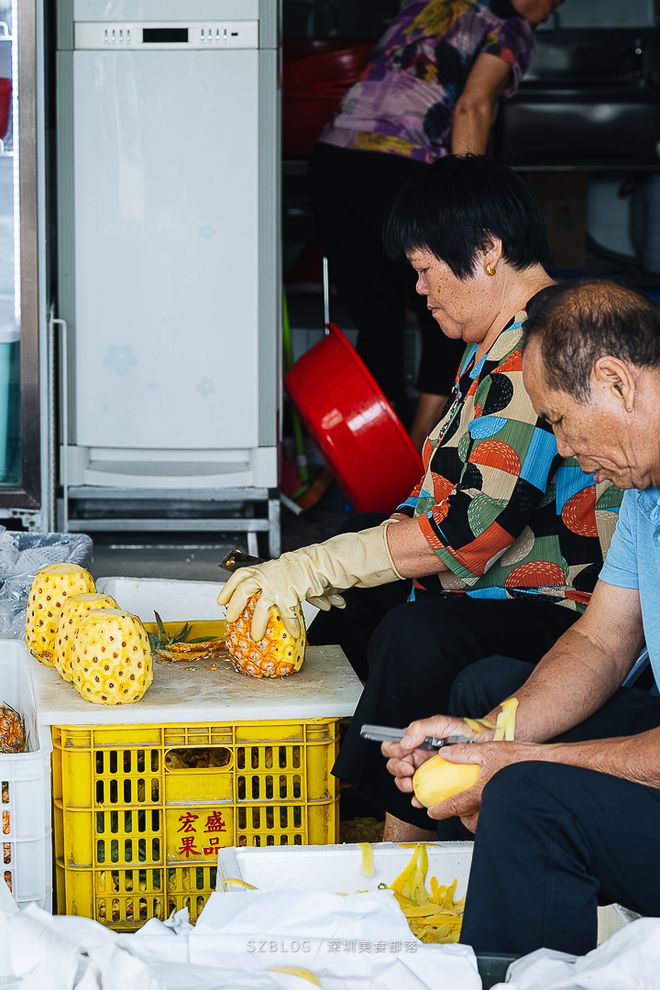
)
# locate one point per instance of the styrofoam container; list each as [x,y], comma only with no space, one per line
[25,794]
[175,601]
[338,869]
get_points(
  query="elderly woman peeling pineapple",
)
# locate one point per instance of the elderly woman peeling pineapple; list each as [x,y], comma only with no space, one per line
[503,537]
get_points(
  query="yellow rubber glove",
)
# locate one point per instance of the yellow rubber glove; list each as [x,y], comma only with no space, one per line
[315,573]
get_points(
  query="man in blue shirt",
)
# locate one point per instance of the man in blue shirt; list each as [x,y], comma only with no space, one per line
[568,815]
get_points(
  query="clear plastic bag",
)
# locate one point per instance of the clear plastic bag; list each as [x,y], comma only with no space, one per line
[21,556]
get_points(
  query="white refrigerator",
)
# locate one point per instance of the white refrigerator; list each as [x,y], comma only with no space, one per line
[168,244]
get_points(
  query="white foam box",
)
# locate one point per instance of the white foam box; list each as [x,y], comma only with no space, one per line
[175,601]
[338,869]
[25,791]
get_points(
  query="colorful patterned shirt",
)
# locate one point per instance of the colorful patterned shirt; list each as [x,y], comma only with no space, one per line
[403,102]
[502,510]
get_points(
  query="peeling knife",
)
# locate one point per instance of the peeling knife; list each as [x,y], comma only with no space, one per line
[382,733]
[237,558]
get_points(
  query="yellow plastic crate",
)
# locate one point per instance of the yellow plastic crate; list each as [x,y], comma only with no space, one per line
[137,826]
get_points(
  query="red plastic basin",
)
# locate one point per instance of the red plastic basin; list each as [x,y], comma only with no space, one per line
[339,65]
[312,90]
[360,435]
[5,105]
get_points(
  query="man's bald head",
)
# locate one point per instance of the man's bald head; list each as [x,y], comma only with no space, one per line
[574,325]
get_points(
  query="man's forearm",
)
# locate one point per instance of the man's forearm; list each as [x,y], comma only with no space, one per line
[634,758]
[569,684]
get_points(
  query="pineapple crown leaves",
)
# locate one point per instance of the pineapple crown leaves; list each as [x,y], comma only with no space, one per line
[161,640]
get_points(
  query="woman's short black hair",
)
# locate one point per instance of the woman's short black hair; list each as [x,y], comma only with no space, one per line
[456,205]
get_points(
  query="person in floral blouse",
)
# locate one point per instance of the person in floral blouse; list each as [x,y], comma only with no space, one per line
[502,537]
[431,87]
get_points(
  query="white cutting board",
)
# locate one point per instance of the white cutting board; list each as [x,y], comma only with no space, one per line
[325,687]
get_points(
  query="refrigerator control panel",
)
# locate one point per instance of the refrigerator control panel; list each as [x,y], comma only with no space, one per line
[99,35]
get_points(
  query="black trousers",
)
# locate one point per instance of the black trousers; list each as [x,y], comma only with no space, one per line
[414,656]
[554,841]
[352,627]
[352,193]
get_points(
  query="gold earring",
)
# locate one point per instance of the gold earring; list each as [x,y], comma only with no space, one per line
[490,270]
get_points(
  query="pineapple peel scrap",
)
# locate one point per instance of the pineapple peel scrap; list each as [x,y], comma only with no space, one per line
[367,858]
[162,639]
[411,882]
[238,883]
[505,727]
[478,724]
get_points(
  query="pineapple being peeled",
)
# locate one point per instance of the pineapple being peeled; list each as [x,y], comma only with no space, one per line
[73,609]
[12,731]
[111,657]
[278,654]
[51,587]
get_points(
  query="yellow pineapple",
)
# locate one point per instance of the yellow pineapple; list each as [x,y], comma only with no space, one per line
[12,731]
[111,657]
[73,609]
[276,655]
[51,587]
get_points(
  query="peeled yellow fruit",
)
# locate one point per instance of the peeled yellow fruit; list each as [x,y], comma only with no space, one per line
[437,779]
[277,654]
[72,612]
[111,657]
[51,587]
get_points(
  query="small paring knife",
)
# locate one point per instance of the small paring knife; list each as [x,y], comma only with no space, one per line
[383,733]
[238,558]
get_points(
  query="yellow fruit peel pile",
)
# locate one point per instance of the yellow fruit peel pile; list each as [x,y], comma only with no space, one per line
[435,915]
